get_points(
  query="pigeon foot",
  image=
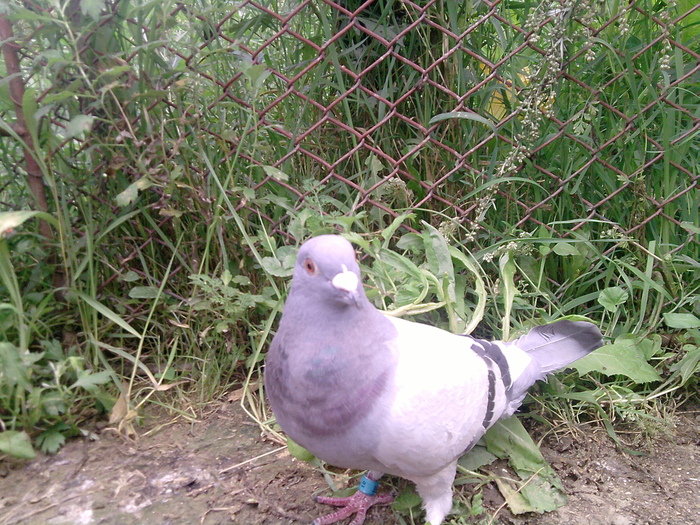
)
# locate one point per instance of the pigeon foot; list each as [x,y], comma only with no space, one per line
[358,504]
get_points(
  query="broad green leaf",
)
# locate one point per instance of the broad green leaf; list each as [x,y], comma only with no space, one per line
[10,220]
[298,451]
[275,173]
[79,125]
[464,116]
[402,264]
[129,195]
[16,444]
[144,292]
[13,370]
[476,458]
[624,357]
[517,503]
[169,374]
[131,276]
[612,298]
[114,72]
[50,441]
[543,491]
[418,289]
[408,499]
[479,288]
[297,224]
[235,279]
[508,439]
[533,494]
[91,380]
[52,402]
[649,346]
[257,74]
[61,95]
[476,505]
[374,164]
[92,8]
[412,242]
[681,321]
[565,248]
[689,226]
[437,253]
[689,365]
[277,267]
[395,225]
[540,489]
[170,212]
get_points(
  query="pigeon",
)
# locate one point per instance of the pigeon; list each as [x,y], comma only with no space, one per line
[363,390]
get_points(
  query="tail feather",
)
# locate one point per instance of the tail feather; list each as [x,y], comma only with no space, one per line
[557,345]
[551,347]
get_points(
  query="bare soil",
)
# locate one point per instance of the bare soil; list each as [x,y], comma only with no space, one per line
[222,471]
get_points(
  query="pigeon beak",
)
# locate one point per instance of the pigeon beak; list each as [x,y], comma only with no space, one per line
[347,281]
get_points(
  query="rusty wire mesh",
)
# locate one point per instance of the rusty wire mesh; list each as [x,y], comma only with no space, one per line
[374,72]
[493,115]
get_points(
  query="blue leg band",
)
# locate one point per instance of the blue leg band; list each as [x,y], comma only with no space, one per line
[367,486]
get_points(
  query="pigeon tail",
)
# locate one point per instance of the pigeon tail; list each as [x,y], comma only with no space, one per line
[551,347]
[557,345]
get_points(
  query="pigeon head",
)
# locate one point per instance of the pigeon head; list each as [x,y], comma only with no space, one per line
[327,269]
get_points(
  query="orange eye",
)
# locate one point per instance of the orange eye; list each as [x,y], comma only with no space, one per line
[310,266]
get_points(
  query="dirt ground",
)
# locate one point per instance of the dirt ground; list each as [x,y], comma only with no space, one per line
[221,471]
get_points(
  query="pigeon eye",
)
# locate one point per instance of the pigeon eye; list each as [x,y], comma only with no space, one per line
[310,266]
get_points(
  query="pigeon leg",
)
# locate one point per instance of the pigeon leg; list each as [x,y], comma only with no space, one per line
[357,504]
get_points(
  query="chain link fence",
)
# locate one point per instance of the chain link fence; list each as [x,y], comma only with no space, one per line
[487,112]
[491,119]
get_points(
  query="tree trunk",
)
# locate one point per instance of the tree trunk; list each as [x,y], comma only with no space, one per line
[16,88]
